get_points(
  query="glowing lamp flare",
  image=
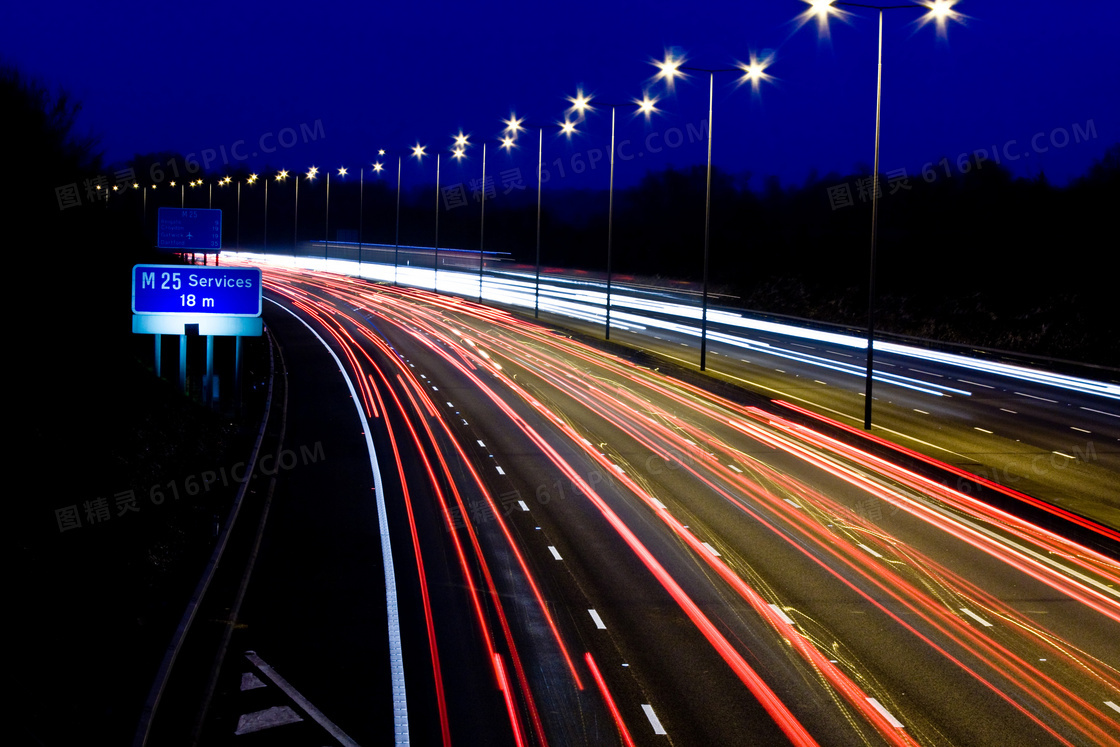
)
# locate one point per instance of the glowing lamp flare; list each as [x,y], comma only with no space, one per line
[513,124]
[580,103]
[669,69]
[646,105]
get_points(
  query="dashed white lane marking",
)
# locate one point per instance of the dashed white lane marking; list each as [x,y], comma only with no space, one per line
[524,506]
[1075,428]
[782,614]
[982,430]
[481,444]
[792,503]
[500,470]
[976,617]
[865,547]
[1112,705]
[921,411]
[886,714]
[1101,412]
[598,620]
[658,503]
[555,552]
[450,405]
[732,466]
[1067,456]
[654,721]
[973,383]
[266,719]
[1013,412]
[710,549]
[1052,401]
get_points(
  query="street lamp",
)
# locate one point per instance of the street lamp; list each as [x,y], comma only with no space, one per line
[419,151]
[280,176]
[459,152]
[670,68]
[327,220]
[936,10]
[311,174]
[252,179]
[514,126]
[581,103]
[397,240]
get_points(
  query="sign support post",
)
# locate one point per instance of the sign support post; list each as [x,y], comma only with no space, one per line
[189,300]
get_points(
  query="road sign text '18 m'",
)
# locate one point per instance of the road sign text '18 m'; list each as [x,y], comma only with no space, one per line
[179,289]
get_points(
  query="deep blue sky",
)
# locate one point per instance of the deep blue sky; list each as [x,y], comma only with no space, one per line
[195,76]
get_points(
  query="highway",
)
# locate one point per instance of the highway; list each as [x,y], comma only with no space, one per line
[1053,436]
[590,551]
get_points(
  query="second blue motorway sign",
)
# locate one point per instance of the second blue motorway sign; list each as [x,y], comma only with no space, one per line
[187,289]
[194,228]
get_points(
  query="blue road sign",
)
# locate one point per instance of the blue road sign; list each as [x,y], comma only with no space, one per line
[193,228]
[186,289]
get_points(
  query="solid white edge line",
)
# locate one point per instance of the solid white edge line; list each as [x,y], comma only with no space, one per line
[886,714]
[396,659]
[654,721]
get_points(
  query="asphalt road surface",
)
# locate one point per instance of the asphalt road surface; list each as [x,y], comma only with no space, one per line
[589,551]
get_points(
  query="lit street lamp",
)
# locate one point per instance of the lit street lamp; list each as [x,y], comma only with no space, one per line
[311,174]
[669,69]
[327,219]
[280,176]
[939,11]
[513,127]
[419,151]
[582,104]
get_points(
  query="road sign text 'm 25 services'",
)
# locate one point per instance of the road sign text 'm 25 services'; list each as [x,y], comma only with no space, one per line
[179,289]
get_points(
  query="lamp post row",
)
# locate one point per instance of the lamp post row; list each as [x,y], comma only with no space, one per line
[669,70]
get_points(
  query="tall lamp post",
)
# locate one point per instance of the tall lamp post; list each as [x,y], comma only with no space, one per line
[582,104]
[513,127]
[419,151]
[669,69]
[252,179]
[940,11]
[327,220]
[459,152]
[312,172]
[280,176]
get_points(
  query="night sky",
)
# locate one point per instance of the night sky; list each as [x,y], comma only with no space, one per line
[1037,81]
